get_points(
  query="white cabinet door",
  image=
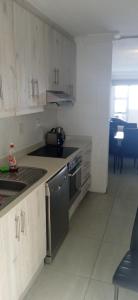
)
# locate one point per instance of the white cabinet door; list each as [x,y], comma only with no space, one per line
[69,65]
[62,62]
[23,63]
[22,244]
[38,59]
[66,65]
[36,227]
[30,59]
[72,72]
[8,96]
[55,40]
[52,59]
[5,282]
[11,255]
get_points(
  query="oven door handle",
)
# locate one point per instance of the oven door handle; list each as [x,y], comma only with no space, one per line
[73,174]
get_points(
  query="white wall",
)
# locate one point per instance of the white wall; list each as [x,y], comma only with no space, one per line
[133,116]
[25,131]
[90,114]
[125,68]
[125,59]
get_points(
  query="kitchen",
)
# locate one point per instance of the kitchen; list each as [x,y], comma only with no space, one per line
[51,82]
[41,195]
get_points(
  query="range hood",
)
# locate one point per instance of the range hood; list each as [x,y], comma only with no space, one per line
[59,97]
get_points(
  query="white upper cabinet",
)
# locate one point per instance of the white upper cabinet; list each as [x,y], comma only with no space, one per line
[62,59]
[31,65]
[55,54]
[38,58]
[34,58]
[72,82]
[69,66]
[8,96]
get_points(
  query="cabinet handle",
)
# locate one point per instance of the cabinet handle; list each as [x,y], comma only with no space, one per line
[1,91]
[58,76]
[65,177]
[33,88]
[71,89]
[22,221]
[59,188]
[55,76]
[37,88]
[17,225]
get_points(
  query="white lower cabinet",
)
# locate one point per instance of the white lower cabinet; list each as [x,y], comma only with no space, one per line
[5,270]
[22,244]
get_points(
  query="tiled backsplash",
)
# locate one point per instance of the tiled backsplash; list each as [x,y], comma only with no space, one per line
[25,130]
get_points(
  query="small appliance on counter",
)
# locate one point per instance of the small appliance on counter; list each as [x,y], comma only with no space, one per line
[55,137]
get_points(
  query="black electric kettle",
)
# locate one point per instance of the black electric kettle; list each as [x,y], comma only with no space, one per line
[56,136]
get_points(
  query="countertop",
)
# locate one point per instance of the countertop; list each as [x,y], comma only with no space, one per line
[52,165]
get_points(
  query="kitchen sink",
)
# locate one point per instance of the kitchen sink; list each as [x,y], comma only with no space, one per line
[11,186]
[9,190]
[14,184]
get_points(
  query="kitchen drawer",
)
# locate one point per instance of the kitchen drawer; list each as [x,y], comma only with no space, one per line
[86,149]
[86,164]
[85,172]
[86,156]
[84,178]
[85,188]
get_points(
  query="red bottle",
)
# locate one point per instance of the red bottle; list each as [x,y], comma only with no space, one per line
[12,159]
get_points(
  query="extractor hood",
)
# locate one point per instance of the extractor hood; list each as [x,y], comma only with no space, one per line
[59,97]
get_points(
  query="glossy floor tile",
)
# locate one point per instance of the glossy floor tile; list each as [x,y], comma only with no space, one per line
[127,295]
[99,291]
[95,203]
[103,291]
[119,229]
[125,207]
[99,236]
[90,225]
[77,255]
[56,286]
[108,259]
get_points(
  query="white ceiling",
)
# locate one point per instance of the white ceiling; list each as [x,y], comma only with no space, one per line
[92,16]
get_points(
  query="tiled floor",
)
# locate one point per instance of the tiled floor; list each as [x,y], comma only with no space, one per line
[99,235]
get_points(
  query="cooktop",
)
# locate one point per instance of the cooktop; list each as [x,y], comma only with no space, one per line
[54,151]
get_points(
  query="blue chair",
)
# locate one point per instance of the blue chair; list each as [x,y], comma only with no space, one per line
[126,275]
[131,125]
[114,149]
[129,147]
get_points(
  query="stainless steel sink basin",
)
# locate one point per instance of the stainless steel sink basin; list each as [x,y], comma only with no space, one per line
[13,184]
[9,190]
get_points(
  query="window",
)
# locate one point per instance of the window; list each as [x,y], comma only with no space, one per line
[125,101]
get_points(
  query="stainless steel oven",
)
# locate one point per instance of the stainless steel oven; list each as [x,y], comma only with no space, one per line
[74,169]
